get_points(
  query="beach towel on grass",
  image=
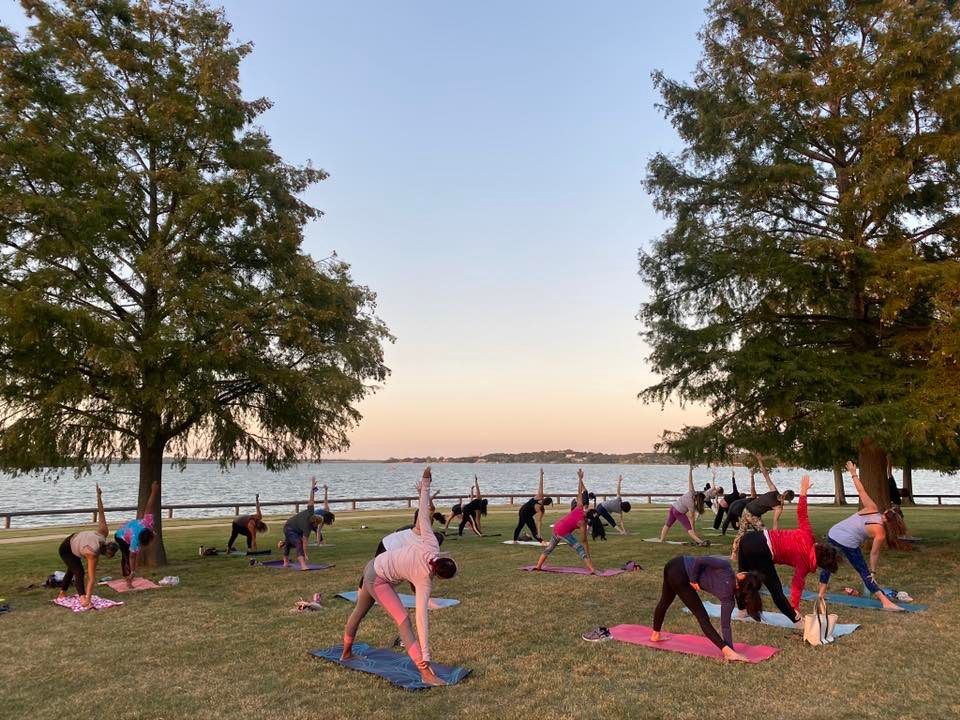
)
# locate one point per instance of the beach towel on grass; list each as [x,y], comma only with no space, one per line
[609,572]
[776,619]
[409,601]
[296,565]
[687,644]
[139,583]
[72,602]
[393,667]
[868,603]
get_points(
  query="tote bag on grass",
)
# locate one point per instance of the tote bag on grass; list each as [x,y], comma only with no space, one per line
[818,627]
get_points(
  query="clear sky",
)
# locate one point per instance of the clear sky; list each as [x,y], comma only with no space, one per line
[486,165]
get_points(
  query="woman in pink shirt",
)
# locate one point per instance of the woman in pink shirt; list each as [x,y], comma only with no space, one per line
[417,563]
[563,529]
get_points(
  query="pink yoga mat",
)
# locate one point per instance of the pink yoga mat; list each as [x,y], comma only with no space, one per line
[609,572]
[688,644]
[139,583]
[72,602]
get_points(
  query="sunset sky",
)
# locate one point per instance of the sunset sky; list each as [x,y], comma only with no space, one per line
[486,165]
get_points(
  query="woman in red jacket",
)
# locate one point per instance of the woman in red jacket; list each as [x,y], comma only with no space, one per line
[762,551]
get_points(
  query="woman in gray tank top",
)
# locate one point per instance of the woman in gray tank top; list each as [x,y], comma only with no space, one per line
[849,534]
[86,545]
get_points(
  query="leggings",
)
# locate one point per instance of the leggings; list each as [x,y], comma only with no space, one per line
[74,568]
[755,555]
[527,518]
[294,541]
[855,557]
[376,589]
[676,582]
[676,516]
[748,522]
[124,555]
[721,511]
[570,540]
[467,518]
[235,532]
[602,512]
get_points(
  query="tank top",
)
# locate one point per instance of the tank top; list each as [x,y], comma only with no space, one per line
[852,532]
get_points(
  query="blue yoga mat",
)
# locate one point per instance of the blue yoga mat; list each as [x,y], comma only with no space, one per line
[409,601]
[862,602]
[777,620]
[296,566]
[398,669]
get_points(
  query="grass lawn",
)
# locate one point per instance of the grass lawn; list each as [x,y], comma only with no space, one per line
[225,645]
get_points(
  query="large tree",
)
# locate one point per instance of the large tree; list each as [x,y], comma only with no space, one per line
[154,296]
[808,287]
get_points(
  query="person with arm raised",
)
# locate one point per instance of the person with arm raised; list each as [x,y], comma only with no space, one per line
[615,505]
[531,514]
[86,546]
[848,535]
[750,517]
[132,535]
[683,508]
[564,529]
[248,526]
[417,563]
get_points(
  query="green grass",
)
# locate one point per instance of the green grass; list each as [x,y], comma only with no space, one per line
[224,645]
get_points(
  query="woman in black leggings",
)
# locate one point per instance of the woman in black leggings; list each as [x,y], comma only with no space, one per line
[472,511]
[724,503]
[532,512]
[86,545]
[685,575]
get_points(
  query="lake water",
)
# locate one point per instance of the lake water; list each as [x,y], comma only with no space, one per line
[206,483]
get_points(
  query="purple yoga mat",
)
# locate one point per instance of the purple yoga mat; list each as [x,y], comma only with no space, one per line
[687,644]
[609,572]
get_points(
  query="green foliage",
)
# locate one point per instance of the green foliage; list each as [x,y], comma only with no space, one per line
[808,289]
[153,290]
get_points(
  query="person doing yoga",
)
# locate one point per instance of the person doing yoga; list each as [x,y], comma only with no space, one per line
[417,564]
[531,513]
[328,517]
[761,551]
[86,545]
[686,575]
[756,507]
[617,505]
[564,528]
[135,534]
[297,529]
[685,507]
[735,510]
[724,503]
[248,526]
[457,510]
[848,535]
[473,510]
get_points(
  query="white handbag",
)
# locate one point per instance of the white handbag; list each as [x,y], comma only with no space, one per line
[818,627]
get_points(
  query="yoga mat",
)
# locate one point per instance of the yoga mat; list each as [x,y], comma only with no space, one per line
[666,542]
[777,620]
[393,667]
[139,583]
[522,542]
[409,601]
[609,572]
[687,644]
[72,602]
[259,552]
[296,565]
[868,603]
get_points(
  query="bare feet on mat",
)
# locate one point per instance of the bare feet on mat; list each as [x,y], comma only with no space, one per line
[346,655]
[655,636]
[730,654]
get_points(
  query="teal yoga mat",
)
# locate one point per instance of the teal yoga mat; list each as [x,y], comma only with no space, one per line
[393,667]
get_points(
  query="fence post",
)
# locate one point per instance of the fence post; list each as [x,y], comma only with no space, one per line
[170,512]
[649,499]
[6,522]
[236,509]
[939,499]
[409,503]
[94,516]
[353,504]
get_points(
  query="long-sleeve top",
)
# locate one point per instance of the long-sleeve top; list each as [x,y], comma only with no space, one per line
[412,564]
[795,547]
[733,495]
[715,575]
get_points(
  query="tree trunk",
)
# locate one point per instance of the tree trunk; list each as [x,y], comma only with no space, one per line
[839,496]
[151,469]
[906,494]
[872,462]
